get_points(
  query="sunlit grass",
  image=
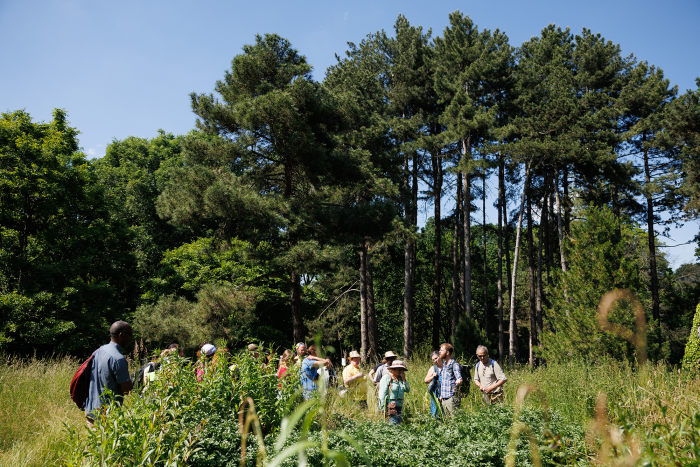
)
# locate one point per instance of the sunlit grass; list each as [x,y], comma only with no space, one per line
[34,405]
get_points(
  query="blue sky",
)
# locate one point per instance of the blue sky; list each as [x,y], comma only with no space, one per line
[128,67]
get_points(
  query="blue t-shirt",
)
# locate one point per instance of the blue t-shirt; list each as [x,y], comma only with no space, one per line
[309,375]
[109,370]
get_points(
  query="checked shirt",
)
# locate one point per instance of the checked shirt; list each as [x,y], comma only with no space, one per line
[448,378]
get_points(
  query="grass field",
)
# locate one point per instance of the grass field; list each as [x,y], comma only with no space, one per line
[34,402]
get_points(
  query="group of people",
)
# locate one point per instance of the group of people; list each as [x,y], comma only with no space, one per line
[389,379]
[110,371]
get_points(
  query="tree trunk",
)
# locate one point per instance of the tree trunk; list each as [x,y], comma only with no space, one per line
[567,204]
[364,331]
[652,247]
[513,328]
[540,294]
[409,266]
[437,250]
[549,242]
[560,228]
[531,278]
[466,200]
[295,294]
[372,335]
[486,296]
[501,195]
[456,263]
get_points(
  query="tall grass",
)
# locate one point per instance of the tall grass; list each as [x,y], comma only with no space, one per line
[34,405]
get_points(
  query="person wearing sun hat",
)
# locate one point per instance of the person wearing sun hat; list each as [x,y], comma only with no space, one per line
[355,380]
[382,370]
[392,388]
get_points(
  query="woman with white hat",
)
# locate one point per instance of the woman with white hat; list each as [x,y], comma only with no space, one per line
[392,388]
[355,380]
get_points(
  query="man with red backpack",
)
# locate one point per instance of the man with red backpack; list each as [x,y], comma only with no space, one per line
[109,370]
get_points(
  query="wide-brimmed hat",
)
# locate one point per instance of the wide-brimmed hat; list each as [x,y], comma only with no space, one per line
[390,354]
[354,354]
[252,347]
[397,365]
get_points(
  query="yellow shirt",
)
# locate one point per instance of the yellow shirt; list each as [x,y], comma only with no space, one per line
[358,387]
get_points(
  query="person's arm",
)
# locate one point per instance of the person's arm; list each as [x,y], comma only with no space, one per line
[458,373]
[476,376]
[495,386]
[350,379]
[120,368]
[500,378]
[431,374]
[407,387]
[383,388]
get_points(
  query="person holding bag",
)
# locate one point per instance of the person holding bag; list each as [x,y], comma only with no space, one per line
[392,388]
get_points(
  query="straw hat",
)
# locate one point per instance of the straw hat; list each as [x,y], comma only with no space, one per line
[354,354]
[252,347]
[390,354]
[397,365]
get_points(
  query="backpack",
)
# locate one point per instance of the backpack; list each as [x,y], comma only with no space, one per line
[80,384]
[150,366]
[462,389]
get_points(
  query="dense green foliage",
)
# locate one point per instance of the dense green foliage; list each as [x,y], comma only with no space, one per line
[691,358]
[250,227]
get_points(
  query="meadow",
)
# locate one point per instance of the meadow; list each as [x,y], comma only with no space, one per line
[578,413]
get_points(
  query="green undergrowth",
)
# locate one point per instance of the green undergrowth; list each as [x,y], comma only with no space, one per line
[579,413]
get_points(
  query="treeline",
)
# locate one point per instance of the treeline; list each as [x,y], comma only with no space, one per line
[292,208]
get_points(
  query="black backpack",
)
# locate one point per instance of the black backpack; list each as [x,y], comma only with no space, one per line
[463,389]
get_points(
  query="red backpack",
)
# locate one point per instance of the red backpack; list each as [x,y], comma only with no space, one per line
[80,384]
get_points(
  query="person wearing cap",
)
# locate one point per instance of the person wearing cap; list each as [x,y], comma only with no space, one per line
[204,356]
[355,380]
[382,370]
[109,371]
[489,377]
[392,388]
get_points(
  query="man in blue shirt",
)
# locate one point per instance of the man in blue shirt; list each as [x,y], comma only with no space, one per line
[109,370]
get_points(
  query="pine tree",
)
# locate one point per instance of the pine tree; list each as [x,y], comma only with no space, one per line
[599,261]
[278,173]
[645,97]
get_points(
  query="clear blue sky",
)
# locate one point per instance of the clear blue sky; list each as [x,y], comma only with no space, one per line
[127,67]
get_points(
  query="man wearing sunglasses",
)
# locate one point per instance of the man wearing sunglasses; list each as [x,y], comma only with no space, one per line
[489,376]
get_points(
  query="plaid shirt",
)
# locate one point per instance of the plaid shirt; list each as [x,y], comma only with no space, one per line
[448,379]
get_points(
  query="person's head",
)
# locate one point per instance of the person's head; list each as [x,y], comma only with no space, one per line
[177,349]
[446,351]
[482,353]
[121,333]
[312,350]
[354,358]
[389,357]
[253,348]
[284,359]
[397,368]
[301,349]
[435,357]
[207,350]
